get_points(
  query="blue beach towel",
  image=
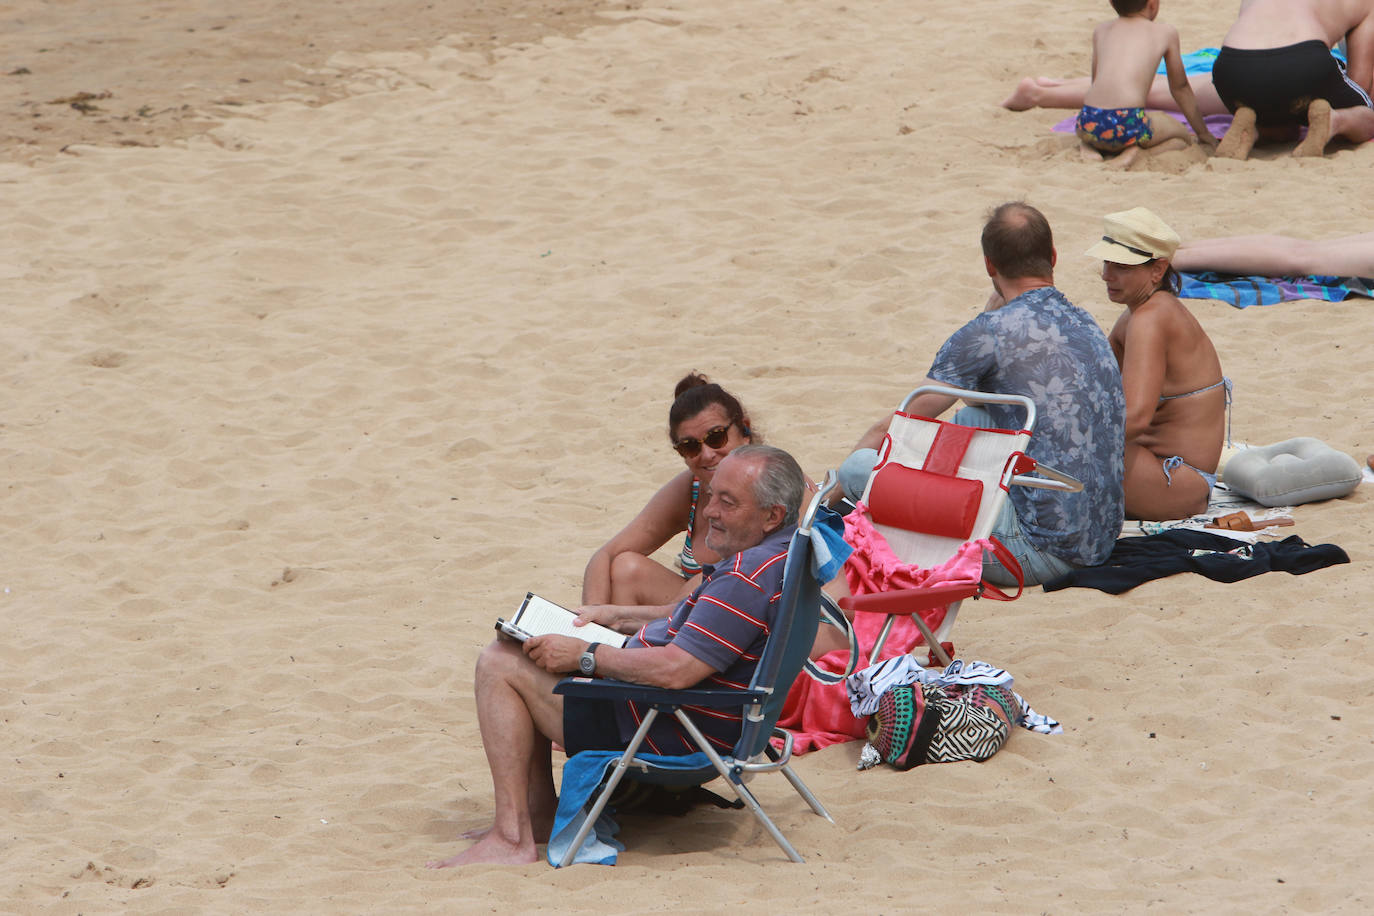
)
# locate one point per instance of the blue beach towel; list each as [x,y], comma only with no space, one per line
[1244,291]
[582,775]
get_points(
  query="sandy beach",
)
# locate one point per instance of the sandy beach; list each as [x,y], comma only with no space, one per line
[331,331]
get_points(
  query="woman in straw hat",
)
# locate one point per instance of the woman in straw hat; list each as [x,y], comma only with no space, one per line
[1176,396]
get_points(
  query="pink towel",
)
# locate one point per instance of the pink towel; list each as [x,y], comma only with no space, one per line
[818,714]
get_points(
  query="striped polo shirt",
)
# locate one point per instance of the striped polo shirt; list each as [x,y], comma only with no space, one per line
[724,623]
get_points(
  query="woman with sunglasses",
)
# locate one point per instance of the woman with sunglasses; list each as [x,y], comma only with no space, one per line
[705,424]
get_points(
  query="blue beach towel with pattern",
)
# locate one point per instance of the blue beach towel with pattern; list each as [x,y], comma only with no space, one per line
[1243,291]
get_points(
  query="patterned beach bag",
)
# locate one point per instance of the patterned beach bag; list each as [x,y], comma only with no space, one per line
[920,723]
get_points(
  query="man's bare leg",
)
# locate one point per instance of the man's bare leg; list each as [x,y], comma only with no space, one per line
[1318,129]
[1240,136]
[519,716]
[542,825]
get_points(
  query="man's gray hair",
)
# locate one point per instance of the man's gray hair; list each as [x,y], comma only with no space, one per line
[780,482]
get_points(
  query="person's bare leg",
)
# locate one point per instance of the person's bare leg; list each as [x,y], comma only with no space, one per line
[518,715]
[1150,496]
[1125,159]
[1088,153]
[541,823]
[1240,136]
[1354,124]
[1047,92]
[1279,255]
[1318,129]
[639,580]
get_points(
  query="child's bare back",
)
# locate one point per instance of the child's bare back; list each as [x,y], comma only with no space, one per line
[1126,53]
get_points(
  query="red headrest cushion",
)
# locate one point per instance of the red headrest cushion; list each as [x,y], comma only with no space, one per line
[925,502]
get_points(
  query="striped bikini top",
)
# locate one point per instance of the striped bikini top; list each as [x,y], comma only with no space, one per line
[1226,383]
[685,560]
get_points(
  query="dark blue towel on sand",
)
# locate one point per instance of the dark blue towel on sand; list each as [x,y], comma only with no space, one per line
[1242,291]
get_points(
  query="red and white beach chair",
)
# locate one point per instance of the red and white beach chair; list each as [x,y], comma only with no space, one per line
[937,486]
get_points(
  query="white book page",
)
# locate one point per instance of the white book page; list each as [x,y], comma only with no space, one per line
[538,616]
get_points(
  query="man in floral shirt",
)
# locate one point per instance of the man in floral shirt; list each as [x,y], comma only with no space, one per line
[1032,341]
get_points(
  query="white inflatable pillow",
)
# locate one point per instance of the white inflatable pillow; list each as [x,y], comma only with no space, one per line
[1292,472]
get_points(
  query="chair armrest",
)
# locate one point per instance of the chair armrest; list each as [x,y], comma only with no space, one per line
[600,688]
[910,600]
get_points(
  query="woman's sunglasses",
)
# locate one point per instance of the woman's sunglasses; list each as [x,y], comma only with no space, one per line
[715,438]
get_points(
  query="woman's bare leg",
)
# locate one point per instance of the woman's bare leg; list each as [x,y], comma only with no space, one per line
[639,580]
[1279,256]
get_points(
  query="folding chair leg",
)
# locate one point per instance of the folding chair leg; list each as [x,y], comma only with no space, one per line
[617,774]
[805,793]
[741,790]
[753,804]
[932,643]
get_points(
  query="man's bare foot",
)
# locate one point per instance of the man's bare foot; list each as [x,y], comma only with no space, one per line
[1318,129]
[491,849]
[1240,136]
[1370,461]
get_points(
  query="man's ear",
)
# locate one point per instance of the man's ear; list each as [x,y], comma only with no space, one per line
[987,264]
[1054,257]
[777,517]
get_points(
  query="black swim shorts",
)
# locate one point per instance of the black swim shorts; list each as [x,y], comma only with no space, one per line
[589,725]
[1279,83]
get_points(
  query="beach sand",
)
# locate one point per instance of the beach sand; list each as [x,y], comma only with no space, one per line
[334,330]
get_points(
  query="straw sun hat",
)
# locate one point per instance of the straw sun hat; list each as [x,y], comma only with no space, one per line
[1134,237]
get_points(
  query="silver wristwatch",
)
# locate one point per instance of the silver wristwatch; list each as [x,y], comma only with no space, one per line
[586,663]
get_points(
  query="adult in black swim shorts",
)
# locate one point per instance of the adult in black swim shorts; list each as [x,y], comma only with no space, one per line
[1279,83]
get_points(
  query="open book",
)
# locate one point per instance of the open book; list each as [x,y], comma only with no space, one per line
[538,616]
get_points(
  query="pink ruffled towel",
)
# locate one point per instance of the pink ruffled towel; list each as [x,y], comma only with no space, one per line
[818,714]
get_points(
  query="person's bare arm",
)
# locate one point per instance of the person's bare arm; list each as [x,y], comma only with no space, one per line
[668,666]
[662,517]
[1359,50]
[624,618]
[1182,90]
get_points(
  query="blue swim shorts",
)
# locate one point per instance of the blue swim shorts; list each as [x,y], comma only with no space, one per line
[1113,129]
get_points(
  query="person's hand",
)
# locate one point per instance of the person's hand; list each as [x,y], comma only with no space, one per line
[1208,141]
[608,615]
[555,654]
[995,302]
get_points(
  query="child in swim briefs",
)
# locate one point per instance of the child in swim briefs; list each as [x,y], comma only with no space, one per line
[1113,129]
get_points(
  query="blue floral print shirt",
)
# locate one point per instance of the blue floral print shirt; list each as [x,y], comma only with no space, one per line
[1044,347]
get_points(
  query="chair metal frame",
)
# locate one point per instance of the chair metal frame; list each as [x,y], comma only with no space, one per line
[1016,470]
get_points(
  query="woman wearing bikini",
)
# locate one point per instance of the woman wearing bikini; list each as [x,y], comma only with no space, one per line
[1176,396]
[705,424]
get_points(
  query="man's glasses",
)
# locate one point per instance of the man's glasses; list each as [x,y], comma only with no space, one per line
[715,438]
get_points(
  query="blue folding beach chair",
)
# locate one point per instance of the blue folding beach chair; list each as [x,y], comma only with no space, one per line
[783,656]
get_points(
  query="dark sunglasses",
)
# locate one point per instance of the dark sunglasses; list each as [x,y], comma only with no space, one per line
[714,438]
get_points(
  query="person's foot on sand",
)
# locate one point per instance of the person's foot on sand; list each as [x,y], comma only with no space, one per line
[1125,159]
[492,849]
[1370,461]
[1240,136]
[1027,93]
[1318,129]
